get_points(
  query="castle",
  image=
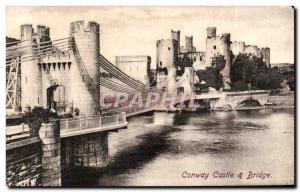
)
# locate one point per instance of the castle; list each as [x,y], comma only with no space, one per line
[171,57]
[56,81]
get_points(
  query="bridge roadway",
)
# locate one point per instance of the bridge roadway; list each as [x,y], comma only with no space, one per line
[81,125]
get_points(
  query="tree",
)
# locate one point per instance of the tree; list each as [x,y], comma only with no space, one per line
[212,77]
[252,70]
[35,118]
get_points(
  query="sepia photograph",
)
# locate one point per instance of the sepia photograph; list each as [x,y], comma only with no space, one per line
[150,96]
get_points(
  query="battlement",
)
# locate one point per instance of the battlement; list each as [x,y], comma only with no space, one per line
[238,43]
[211,32]
[164,42]
[175,34]
[226,37]
[82,26]
[43,31]
[26,31]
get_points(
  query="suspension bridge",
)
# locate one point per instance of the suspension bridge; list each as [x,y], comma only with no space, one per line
[69,75]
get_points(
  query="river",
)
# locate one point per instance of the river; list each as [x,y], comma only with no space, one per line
[165,149]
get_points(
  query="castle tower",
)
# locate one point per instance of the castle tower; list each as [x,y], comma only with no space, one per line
[211,32]
[29,70]
[225,40]
[86,36]
[267,56]
[175,36]
[43,33]
[258,52]
[263,54]
[165,53]
[189,43]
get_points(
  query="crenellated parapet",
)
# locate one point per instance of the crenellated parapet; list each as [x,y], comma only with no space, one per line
[238,47]
[81,26]
[252,50]
[43,32]
[211,32]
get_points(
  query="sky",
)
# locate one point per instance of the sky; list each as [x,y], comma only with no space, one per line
[134,30]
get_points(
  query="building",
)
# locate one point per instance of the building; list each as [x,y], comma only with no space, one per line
[137,67]
[218,46]
[283,67]
[60,77]
[170,59]
[197,59]
[166,53]
[218,53]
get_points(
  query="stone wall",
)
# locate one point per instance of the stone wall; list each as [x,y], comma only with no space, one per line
[90,150]
[40,161]
[23,166]
[282,100]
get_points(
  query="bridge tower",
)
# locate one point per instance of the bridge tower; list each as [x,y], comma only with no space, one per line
[29,70]
[86,36]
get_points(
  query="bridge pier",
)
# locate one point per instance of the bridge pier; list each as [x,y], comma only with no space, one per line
[51,162]
[90,150]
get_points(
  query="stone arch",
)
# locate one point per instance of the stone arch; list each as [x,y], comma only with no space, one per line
[56,97]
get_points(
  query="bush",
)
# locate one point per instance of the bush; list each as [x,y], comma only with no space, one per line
[35,118]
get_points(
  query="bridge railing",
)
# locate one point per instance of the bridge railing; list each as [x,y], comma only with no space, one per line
[87,122]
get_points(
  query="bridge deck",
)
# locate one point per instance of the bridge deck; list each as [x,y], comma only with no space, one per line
[73,126]
[91,124]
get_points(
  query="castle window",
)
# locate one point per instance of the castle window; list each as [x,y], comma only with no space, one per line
[215,47]
[160,63]
[169,48]
[194,58]
[200,58]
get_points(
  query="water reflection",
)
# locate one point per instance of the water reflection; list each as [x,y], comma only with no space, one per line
[154,150]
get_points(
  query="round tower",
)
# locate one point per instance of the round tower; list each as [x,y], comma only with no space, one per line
[226,71]
[43,33]
[165,56]
[267,53]
[263,54]
[211,32]
[29,70]
[26,32]
[242,44]
[175,36]
[189,43]
[86,37]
